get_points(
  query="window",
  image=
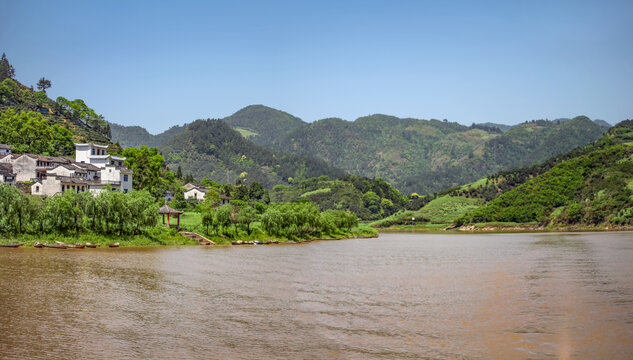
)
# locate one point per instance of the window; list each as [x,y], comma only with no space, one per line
[37,189]
[124,177]
[93,151]
[125,191]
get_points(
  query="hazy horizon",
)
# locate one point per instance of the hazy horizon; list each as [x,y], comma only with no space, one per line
[157,65]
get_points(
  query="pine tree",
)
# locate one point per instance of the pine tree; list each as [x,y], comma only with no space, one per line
[179,173]
[6,70]
[43,84]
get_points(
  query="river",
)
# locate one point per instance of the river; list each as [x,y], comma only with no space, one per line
[400,296]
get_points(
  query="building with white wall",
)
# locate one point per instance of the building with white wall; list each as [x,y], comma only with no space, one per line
[93,169]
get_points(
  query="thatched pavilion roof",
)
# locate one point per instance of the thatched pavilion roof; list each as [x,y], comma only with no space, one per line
[166,209]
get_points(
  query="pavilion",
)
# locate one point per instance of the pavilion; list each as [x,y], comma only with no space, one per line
[166,209]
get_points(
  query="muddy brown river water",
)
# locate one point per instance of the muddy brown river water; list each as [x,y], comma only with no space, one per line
[400,296]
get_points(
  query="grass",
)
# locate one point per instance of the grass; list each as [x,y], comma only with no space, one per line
[246,133]
[446,209]
[438,213]
[155,237]
[474,185]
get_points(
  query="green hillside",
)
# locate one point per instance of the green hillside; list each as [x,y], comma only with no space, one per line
[32,122]
[263,125]
[592,188]
[212,149]
[422,156]
[426,156]
[366,198]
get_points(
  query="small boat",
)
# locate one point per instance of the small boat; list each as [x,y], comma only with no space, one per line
[11,245]
[70,246]
[38,245]
[89,245]
[116,244]
[54,246]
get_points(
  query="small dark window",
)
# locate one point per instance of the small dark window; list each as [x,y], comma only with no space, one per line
[124,177]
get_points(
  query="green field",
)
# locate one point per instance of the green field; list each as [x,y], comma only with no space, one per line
[437,213]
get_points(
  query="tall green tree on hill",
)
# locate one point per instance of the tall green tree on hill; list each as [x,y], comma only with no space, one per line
[6,70]
[43,84]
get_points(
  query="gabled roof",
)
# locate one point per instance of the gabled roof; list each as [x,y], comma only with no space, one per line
[189,186]
[5,146]
[93,144]
[199,188]
[87,166]
[6,169]
[166,209]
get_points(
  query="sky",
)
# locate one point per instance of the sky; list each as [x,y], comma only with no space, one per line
[162,63]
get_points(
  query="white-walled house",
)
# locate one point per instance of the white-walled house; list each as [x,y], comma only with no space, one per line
[96,155]
[119,176]
[196,192]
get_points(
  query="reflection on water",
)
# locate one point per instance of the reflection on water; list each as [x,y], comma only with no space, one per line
[510,296]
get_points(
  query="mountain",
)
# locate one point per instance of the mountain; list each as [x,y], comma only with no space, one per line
[211,148]
[426,156]
[502,127]
[423,156]
[263,125]
[136,136]
[593,188]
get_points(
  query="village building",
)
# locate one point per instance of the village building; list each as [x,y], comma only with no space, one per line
[93,169]
[224,199]
[5,149]
[7,175]
[96,155]
[196,192]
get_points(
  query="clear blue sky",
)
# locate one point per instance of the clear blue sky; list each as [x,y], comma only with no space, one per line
[160,63]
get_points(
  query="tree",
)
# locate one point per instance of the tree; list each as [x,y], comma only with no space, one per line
[246,216]
[208,214]
[179,173]
[223,216]
[6,70]
[43,84]
[212,196]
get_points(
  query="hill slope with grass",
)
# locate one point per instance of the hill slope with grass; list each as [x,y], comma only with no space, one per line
[263,125]
[595,187]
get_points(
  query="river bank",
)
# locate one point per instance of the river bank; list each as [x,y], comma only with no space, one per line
[503,228]
[173,238]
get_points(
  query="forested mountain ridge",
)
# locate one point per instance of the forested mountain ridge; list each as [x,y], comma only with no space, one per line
[136,136]
[426,156]
[212,149]
[423,156]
